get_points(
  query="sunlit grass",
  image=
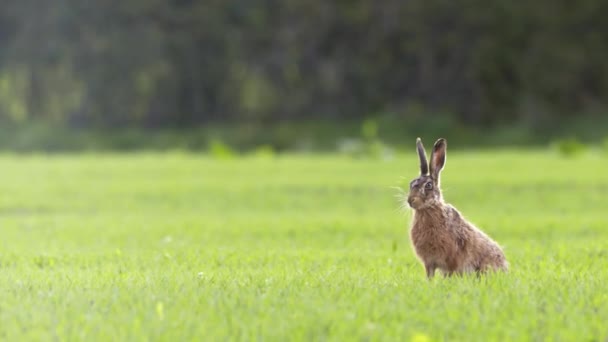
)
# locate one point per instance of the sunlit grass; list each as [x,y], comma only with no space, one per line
[185,247]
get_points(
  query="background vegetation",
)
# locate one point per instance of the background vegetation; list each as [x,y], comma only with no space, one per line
[522,70]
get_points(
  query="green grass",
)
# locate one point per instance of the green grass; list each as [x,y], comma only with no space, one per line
[177,246]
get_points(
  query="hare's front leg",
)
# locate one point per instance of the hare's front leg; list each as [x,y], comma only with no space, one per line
[452,268]
[430,270]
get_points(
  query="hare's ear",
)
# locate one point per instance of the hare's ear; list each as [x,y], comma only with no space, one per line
[424,165]
[438,158]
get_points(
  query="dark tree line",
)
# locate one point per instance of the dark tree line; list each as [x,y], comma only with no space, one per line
[183,62]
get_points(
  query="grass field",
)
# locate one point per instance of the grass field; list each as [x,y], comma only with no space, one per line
[184,247]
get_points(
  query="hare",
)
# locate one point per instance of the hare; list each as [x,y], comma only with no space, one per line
[442,238]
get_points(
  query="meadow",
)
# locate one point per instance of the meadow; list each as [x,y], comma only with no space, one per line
[182,246]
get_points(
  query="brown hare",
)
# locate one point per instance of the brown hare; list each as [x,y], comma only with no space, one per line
[442,238]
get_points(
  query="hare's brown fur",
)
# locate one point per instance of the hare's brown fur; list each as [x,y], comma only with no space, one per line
[442,238]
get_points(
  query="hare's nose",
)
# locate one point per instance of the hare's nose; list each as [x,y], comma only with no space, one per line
[410,200]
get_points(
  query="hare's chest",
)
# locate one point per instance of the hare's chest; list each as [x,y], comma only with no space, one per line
[430,243]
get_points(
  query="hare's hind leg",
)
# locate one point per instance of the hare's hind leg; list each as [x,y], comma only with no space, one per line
[486,268]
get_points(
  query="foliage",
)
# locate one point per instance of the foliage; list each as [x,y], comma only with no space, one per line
[179,246]
[344,136]
[156,63]
[570,147]
[220,150]
[604,145]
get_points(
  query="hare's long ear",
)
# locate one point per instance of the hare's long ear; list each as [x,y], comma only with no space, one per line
[438,158]
[424,165]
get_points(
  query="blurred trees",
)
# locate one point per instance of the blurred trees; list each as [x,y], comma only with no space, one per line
[183,62]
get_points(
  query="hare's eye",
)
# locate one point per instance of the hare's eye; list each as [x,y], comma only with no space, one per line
[428,185]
